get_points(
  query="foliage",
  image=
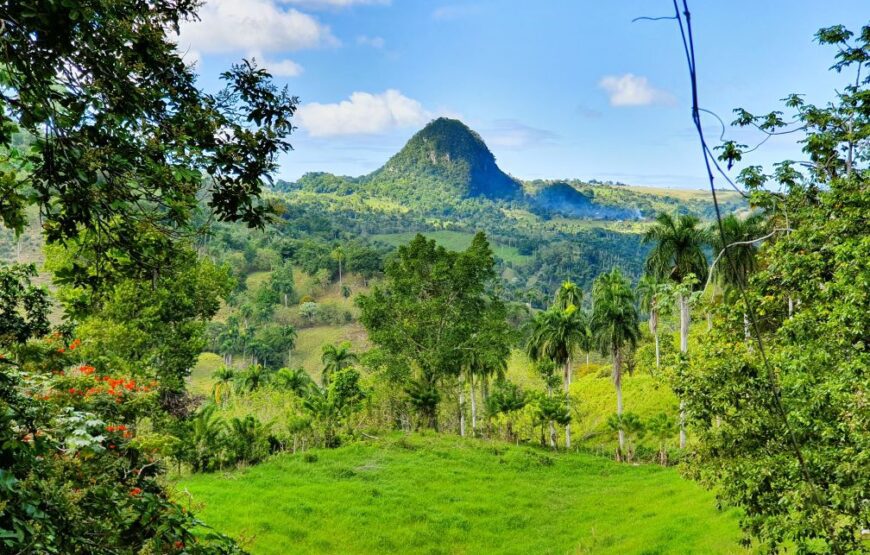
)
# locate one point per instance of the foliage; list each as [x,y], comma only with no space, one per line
[431,310]
[784,429]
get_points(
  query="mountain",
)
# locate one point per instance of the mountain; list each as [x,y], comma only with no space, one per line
[446,170]
[447,156]
[563,199]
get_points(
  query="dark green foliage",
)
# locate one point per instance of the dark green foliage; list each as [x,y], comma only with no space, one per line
[23,306]
[435,307]
[445,158]
[784,431]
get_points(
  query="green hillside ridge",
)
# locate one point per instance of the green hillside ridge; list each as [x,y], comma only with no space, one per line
[446,164]
[443,494]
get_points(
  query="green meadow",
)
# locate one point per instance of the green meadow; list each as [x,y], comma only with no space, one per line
[444,494]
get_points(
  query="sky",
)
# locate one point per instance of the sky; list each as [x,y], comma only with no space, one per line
[557,88]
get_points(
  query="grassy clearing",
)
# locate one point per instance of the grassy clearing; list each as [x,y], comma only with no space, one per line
[453,240]
[442,494]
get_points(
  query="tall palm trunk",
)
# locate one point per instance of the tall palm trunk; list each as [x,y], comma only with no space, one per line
[617,383]
[473,405]
[654,330]
[684,348]
[462,405]
[568,401]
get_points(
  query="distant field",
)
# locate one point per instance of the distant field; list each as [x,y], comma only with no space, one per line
[443,494]
[453,240]
[681,194]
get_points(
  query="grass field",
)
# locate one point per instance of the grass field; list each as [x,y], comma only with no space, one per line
[442,494]
[455,241]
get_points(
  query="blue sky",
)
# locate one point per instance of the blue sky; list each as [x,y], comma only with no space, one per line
[558,89]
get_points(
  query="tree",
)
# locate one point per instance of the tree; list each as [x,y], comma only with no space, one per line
[253,378]
[677,253]
[615,324]
[223,381]
[653,298]
[555,334]
[429,311]
[337,254]
[783,430]
[282,282]
[736,257]
[296,380]
[124,151]
[309,310]
[106,108]
[335,359]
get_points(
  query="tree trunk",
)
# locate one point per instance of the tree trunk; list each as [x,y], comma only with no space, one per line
[568,402]
[461,406]
[790,306]
[654,329]
[617,383]
[552,435]
[473,406]
[684,348]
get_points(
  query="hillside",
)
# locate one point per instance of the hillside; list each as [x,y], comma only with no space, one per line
[443,494]
[446,165]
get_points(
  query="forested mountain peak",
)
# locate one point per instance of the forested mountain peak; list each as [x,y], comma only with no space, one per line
[456,157]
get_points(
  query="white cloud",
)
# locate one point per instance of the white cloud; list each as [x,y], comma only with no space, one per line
[336,3]
[633,90]
[362,114]
[278,68]
[228,26]
[374,42]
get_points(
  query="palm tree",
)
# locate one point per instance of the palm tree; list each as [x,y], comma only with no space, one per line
[736,257]
[336,358]
[568,294]
[253,378]
[615,321]
[484,362]
[651,294]
[338,255]
[296,380]
[678,253]
[222,387]
[555,335]
[587,339]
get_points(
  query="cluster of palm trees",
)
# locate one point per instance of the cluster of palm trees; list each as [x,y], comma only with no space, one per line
[676,269]
[227,380]
[563,330]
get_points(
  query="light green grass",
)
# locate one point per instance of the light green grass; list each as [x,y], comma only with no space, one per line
[442,494]
[455,241]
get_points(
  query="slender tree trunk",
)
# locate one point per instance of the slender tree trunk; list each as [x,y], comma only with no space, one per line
[684,348]
[473,405]
[552,435]
[617,383]
[746,327]
[790,306]
[462,406]
[568,401]
[654,329]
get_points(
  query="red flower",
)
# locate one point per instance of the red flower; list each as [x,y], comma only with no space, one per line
[86,369]
[72,391]
[179,544]
[61,350]
[111,446]
[135,491]
[75,344]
